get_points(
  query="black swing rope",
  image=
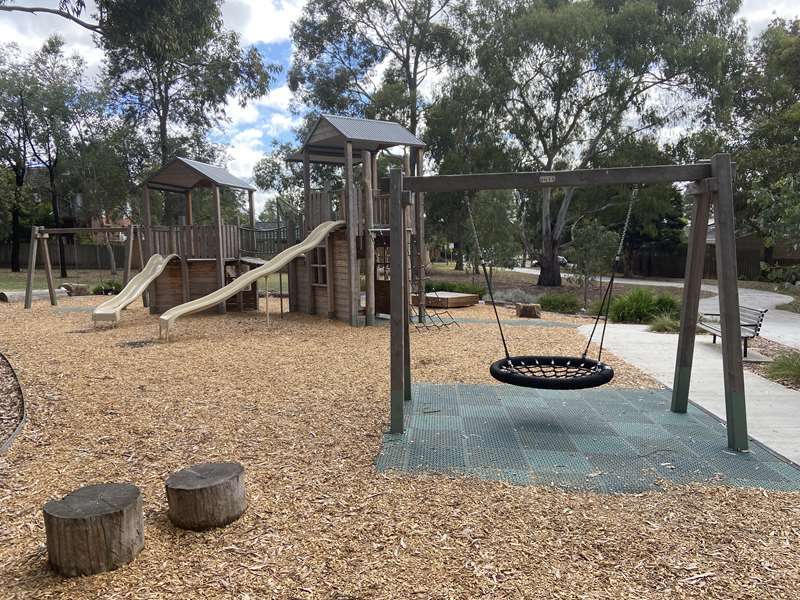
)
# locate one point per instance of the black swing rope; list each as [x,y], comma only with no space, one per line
[554,372]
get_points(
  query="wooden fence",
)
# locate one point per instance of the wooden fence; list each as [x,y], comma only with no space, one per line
[196,241]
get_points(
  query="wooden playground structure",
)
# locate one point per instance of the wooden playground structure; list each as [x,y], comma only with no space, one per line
[199,260]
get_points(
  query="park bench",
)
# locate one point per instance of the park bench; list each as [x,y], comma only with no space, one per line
[750,320]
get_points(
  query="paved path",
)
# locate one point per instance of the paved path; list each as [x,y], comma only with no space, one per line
[779,326]
[773,411]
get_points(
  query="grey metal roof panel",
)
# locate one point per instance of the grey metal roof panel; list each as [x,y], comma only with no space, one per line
[371,133]
[186,174]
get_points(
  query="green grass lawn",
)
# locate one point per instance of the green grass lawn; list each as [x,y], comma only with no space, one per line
[10,282]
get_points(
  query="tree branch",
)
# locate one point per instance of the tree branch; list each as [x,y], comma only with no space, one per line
[93,27]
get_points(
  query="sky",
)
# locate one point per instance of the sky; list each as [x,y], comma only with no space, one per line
[249,131]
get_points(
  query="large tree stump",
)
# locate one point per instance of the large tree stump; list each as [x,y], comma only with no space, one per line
[206,495]
[529,311]
[94,529]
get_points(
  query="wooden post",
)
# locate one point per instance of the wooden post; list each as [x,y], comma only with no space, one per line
[291,240]
[148,223]
[306,193]
[692,283]
[220,250]
[189,222]
[369,242]
[725,233]
[330,276]
[48,269]
[266,295]
[32,249]
[419,225]
[399,325]
[406,298]
[146,295]
[352,235]
[126,273]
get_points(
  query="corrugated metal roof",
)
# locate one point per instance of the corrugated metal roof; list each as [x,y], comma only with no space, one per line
[185,174]
[328,136]
[368,130]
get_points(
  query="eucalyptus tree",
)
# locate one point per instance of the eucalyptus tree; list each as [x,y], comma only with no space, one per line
[372,57]
[568,76]
[14,127]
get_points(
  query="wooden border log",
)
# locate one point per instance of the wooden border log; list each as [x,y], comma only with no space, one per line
[206,495]
[94,529]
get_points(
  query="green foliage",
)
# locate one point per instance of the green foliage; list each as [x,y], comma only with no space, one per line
[273,173]
[785,367]
[107,288]
[172,65]
[339,45]
[780,273]
[592,252]
[450,286]
[560,302]
[666,323]
[641,305]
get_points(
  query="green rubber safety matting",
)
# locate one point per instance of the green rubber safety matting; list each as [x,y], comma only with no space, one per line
[604,439]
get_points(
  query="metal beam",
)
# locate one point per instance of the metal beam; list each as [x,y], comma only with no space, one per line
[546,179]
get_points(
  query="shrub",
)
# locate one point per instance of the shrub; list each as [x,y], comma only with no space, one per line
[785,367]
[513,295]
[560,302]
[107,288]
[642,306]
[451,286]
[665,323]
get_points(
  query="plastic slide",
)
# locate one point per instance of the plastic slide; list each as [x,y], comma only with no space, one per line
[110,309]
[244,281]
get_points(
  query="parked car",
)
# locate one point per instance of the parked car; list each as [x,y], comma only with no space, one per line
[561,260]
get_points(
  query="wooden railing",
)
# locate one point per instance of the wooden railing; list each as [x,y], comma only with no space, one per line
[196,241]
[265,243]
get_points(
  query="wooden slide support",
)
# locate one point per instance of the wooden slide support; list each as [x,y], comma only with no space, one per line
[206,495]
[94,529]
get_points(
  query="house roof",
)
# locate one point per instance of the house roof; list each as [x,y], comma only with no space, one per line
[326,140]
[183,174]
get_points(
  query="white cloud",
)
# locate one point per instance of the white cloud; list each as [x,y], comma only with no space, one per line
[278,98]
[759,13]
[262,21]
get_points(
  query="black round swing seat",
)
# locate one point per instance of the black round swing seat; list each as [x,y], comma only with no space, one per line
[552,372]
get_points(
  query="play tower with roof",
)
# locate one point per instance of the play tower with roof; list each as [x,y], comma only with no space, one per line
[335,252]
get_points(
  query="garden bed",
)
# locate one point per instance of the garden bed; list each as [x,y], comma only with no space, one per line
[303,404]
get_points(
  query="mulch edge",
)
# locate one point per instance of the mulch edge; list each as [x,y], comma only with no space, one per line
[23,414]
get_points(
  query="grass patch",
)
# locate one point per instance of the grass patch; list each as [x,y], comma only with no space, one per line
[107,288]
[785,367]
[793,306]
[665,324]
[642,306]
[560,302]
[461,287]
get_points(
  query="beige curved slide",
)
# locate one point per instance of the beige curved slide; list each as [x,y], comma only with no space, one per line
[110,309]
[244,281]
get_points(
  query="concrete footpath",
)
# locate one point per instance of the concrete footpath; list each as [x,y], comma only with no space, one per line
[780,326]
[773,411]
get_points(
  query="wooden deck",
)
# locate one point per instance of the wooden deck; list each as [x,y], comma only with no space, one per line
[447,299]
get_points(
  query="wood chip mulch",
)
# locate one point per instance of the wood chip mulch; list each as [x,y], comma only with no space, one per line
[303,404]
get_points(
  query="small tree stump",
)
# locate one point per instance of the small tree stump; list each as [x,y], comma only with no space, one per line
[94,529]
[529,311]
[206,495]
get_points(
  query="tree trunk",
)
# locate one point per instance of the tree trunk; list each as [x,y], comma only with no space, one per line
[62,262]
[549,269]
[15,237]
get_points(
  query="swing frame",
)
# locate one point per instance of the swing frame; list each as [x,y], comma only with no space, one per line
[710,184]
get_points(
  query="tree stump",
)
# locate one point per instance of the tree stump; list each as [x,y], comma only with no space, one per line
[529,311]
[94,529]
[206,495]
